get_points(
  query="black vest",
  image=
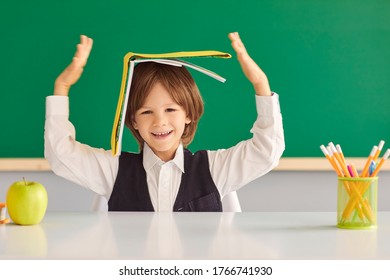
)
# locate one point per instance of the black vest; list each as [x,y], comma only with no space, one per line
[197,191]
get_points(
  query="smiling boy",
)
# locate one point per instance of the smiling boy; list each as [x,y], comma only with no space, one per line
[163,112]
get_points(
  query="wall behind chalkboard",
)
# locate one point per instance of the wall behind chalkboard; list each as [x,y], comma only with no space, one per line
[328,60]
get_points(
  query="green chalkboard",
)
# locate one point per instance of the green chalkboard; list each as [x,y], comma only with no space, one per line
[328,60]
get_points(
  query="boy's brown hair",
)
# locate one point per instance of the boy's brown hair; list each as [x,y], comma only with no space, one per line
[180,85]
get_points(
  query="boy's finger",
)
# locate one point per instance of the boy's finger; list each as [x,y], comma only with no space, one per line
[83,39]
[85,46]
[89,45]
[237,44]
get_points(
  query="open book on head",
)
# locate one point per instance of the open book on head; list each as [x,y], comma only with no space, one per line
[129,62]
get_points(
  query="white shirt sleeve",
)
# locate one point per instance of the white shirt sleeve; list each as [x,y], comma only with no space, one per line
[237,166]
[95,169]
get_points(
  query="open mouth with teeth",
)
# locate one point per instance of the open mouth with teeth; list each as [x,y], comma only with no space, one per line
[162,134]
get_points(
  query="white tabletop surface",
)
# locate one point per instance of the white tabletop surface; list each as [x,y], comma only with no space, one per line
[250,235]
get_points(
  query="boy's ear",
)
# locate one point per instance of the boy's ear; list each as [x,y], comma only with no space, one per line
[188,120]
[134,124]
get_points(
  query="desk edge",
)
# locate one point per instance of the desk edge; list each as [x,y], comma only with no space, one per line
[285,164]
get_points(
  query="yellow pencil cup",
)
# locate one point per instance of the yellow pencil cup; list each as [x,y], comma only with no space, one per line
[357,202]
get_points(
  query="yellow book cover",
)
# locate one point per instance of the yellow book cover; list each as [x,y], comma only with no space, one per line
[129,62]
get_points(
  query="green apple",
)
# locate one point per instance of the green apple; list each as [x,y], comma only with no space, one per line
[26,202]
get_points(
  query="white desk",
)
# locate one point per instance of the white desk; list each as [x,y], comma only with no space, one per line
[250,235]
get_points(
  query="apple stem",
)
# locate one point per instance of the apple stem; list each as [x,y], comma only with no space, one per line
[25,183]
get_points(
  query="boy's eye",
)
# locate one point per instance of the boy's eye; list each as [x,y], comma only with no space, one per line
[170,110]
[146,112]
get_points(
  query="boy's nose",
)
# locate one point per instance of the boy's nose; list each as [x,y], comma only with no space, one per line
[160,120]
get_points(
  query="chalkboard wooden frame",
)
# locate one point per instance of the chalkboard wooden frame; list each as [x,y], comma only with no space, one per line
[286,164]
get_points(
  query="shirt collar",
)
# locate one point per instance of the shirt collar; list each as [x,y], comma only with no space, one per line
[150,159]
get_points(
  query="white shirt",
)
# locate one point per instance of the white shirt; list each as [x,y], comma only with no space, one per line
[96,169]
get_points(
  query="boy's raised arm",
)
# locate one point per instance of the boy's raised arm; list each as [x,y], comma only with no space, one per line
[73,72]
[251,70]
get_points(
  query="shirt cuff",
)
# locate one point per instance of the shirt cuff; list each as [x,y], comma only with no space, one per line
[57,106]
[268,106]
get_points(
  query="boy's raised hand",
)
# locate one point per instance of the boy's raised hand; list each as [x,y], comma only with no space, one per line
[73,72]
[251,70]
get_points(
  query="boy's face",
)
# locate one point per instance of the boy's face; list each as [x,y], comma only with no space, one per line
[161,122]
